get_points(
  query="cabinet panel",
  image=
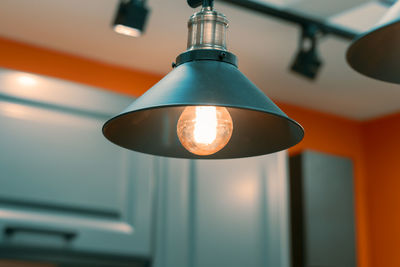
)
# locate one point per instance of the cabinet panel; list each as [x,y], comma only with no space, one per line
[322,210]
[228,217]
[54,158]
[216,213]
[63,185]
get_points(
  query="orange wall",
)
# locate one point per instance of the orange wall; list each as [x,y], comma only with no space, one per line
[14,55]
[372,146]
[382,142]
[343,137]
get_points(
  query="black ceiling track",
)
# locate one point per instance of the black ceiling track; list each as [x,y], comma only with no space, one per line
[291,16]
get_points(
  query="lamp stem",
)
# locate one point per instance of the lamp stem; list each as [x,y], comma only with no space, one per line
[207,29]
[208,3]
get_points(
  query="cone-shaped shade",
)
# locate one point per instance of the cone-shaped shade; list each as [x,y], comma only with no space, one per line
[376,53]
[149,124]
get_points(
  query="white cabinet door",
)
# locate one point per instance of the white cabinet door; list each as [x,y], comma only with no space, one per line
[63,186]
[215,213]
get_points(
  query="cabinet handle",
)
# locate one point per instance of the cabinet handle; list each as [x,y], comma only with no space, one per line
[67,235]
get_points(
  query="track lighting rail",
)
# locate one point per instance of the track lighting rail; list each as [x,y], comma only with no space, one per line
[291,17]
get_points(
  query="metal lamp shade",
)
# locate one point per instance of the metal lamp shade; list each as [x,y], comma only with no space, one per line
[149,124]
[376,53]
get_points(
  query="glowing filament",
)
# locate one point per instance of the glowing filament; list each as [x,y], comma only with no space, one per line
[205,128]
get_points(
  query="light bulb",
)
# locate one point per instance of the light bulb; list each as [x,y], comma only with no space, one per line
[204,130]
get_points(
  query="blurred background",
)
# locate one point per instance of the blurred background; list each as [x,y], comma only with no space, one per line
[69,197]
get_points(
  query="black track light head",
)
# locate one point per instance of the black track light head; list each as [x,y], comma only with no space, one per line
[307,62]
[131,18]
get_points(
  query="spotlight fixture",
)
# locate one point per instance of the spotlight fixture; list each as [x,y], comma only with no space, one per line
[131,17]
[205,108]
[376,53]
[307,62]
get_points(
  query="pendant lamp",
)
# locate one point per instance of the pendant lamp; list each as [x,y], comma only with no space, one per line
[205,108]
[376,53]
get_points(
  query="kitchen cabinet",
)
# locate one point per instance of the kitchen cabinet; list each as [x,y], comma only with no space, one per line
[69,196]
[64,189]
[322,208]
[214,213]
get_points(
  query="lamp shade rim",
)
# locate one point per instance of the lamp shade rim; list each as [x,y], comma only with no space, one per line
[358,55]
[297,134]
[368,33]
[207,104]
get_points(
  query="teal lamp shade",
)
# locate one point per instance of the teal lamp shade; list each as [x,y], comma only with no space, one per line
[149,124]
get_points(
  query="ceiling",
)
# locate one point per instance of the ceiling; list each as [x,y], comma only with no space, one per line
[265,47]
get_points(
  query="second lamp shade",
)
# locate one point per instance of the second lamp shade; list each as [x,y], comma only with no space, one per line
[376,53]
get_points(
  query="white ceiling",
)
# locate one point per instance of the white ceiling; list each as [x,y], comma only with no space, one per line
[264,46]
